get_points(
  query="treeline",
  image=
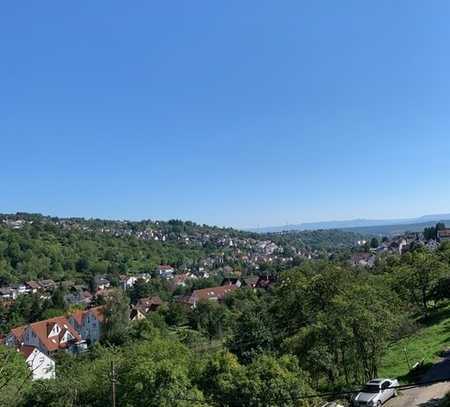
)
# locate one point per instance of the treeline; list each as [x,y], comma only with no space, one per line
[42,250]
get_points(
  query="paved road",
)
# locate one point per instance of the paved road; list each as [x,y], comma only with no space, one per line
[427,396]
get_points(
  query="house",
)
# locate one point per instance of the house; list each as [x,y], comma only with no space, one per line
[180,280]
[47,285]
[41,366]
[232,281]
[20,289]
[265,282]
[250,281]
[102,283]
[48,336]
[165,272]
[398,246]
[363,259]
[88,323]
[144,276]
[32,286]
[432,245]
[149,304]
[6,293]
[127,281]
[443,235]
[81,297]
[210,294]
[136,315]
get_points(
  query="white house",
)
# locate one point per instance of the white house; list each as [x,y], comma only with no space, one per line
[41,366]
[165,272]
[102,283]
[128,281]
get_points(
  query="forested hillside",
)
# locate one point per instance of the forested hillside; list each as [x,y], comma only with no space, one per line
[312,325]
[34,247]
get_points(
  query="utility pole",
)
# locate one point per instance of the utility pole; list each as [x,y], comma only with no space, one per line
[113,384]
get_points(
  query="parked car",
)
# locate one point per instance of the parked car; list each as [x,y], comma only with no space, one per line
[376,393]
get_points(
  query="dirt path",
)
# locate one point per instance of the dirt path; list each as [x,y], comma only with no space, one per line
[427,396]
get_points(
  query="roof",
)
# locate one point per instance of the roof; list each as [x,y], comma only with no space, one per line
[444,233]
[251,281]
[80,315]
[42,328]
[212,293]
[148,304]
[77,315]
[97,312]
[47,283]
[18,332]
[181,278]
[155,300]
[26,350]
[163,267]
[33,285]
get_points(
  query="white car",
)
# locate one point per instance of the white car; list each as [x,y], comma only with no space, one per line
[376,393]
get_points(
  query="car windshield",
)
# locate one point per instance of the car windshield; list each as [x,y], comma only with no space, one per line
[371,388]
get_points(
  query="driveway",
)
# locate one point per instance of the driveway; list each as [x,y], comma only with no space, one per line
[427,396]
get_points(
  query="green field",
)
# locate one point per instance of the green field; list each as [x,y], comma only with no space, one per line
[426,344]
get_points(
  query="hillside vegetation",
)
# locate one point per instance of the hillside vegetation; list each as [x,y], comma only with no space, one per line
[320,325]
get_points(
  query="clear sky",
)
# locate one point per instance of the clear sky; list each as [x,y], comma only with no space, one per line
[233,112]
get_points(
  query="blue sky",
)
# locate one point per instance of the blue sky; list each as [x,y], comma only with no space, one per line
[239,113]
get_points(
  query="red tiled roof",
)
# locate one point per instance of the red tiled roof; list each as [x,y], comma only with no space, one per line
[165,267]
[18,332]
[444,233]
[79,315]
[181,278]
[218,293]
[43,328]
[97,312]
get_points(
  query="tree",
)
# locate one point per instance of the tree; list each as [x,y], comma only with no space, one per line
[209,318]
[265,382]
[116,313]
[374,243]
[415,278]
[57,298]
[334,320]
[15,377]
[252,334]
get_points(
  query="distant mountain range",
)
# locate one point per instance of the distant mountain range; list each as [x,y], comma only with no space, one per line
[369,225]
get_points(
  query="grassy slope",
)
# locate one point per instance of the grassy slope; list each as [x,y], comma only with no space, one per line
[426,344]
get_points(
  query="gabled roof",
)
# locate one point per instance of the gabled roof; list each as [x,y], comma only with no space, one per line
[41,330]
[33,285]
[80,315]
[47,283]
[251,281]
[164,267]
[18,332]
[212,293]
